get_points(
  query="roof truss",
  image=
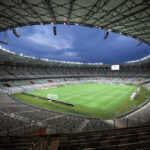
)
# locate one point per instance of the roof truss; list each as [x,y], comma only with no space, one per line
[128,17]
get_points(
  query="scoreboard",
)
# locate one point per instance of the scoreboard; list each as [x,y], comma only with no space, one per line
[115,67]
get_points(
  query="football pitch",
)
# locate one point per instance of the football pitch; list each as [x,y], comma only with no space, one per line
[93,100]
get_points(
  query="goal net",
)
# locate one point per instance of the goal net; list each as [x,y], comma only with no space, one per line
[52,96]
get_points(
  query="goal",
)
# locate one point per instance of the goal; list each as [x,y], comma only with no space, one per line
[52,96]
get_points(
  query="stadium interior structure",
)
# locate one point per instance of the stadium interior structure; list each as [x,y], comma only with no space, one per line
[24,126]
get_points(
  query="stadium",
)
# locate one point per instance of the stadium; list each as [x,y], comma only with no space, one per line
[50,105]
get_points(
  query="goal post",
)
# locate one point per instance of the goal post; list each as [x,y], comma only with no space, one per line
[52,96]
[132,97]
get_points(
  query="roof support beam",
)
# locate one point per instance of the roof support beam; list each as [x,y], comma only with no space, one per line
[33,12]
[10,19]
[120,13]
[145,36]
[132,29]
[137,18]
[3,24]
[125,17]
[100,18]
[140,34]
[125,26]
[138,30]
[96,7]
[12,10]
[51,11]
[70,10]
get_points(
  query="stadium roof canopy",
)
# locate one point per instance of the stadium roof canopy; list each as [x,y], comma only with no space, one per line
[127,17]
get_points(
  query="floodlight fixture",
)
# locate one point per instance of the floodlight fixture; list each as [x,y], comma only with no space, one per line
[15,33]
[106,35]
[139,43]
[54,30]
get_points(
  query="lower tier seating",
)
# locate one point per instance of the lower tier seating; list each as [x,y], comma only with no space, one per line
[137,138]
[23,143]
[124,139]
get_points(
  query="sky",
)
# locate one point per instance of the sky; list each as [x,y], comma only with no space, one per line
[75,44]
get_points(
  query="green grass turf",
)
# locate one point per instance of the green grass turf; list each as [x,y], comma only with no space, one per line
[93,100]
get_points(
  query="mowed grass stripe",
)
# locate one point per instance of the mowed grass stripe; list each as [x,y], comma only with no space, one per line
[104,100]
[63,92]
[114,94]
[97,98]
[95,94]
[90,96]
[120,98]
[101,102]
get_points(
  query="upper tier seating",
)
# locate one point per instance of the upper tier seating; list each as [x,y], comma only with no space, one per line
[8,73]
[11,86]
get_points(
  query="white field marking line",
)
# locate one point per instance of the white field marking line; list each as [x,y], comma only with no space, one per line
[80,102]
[107,96]
[72,92]
[98,93]
[81,92]
[118,97]
[107,91]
